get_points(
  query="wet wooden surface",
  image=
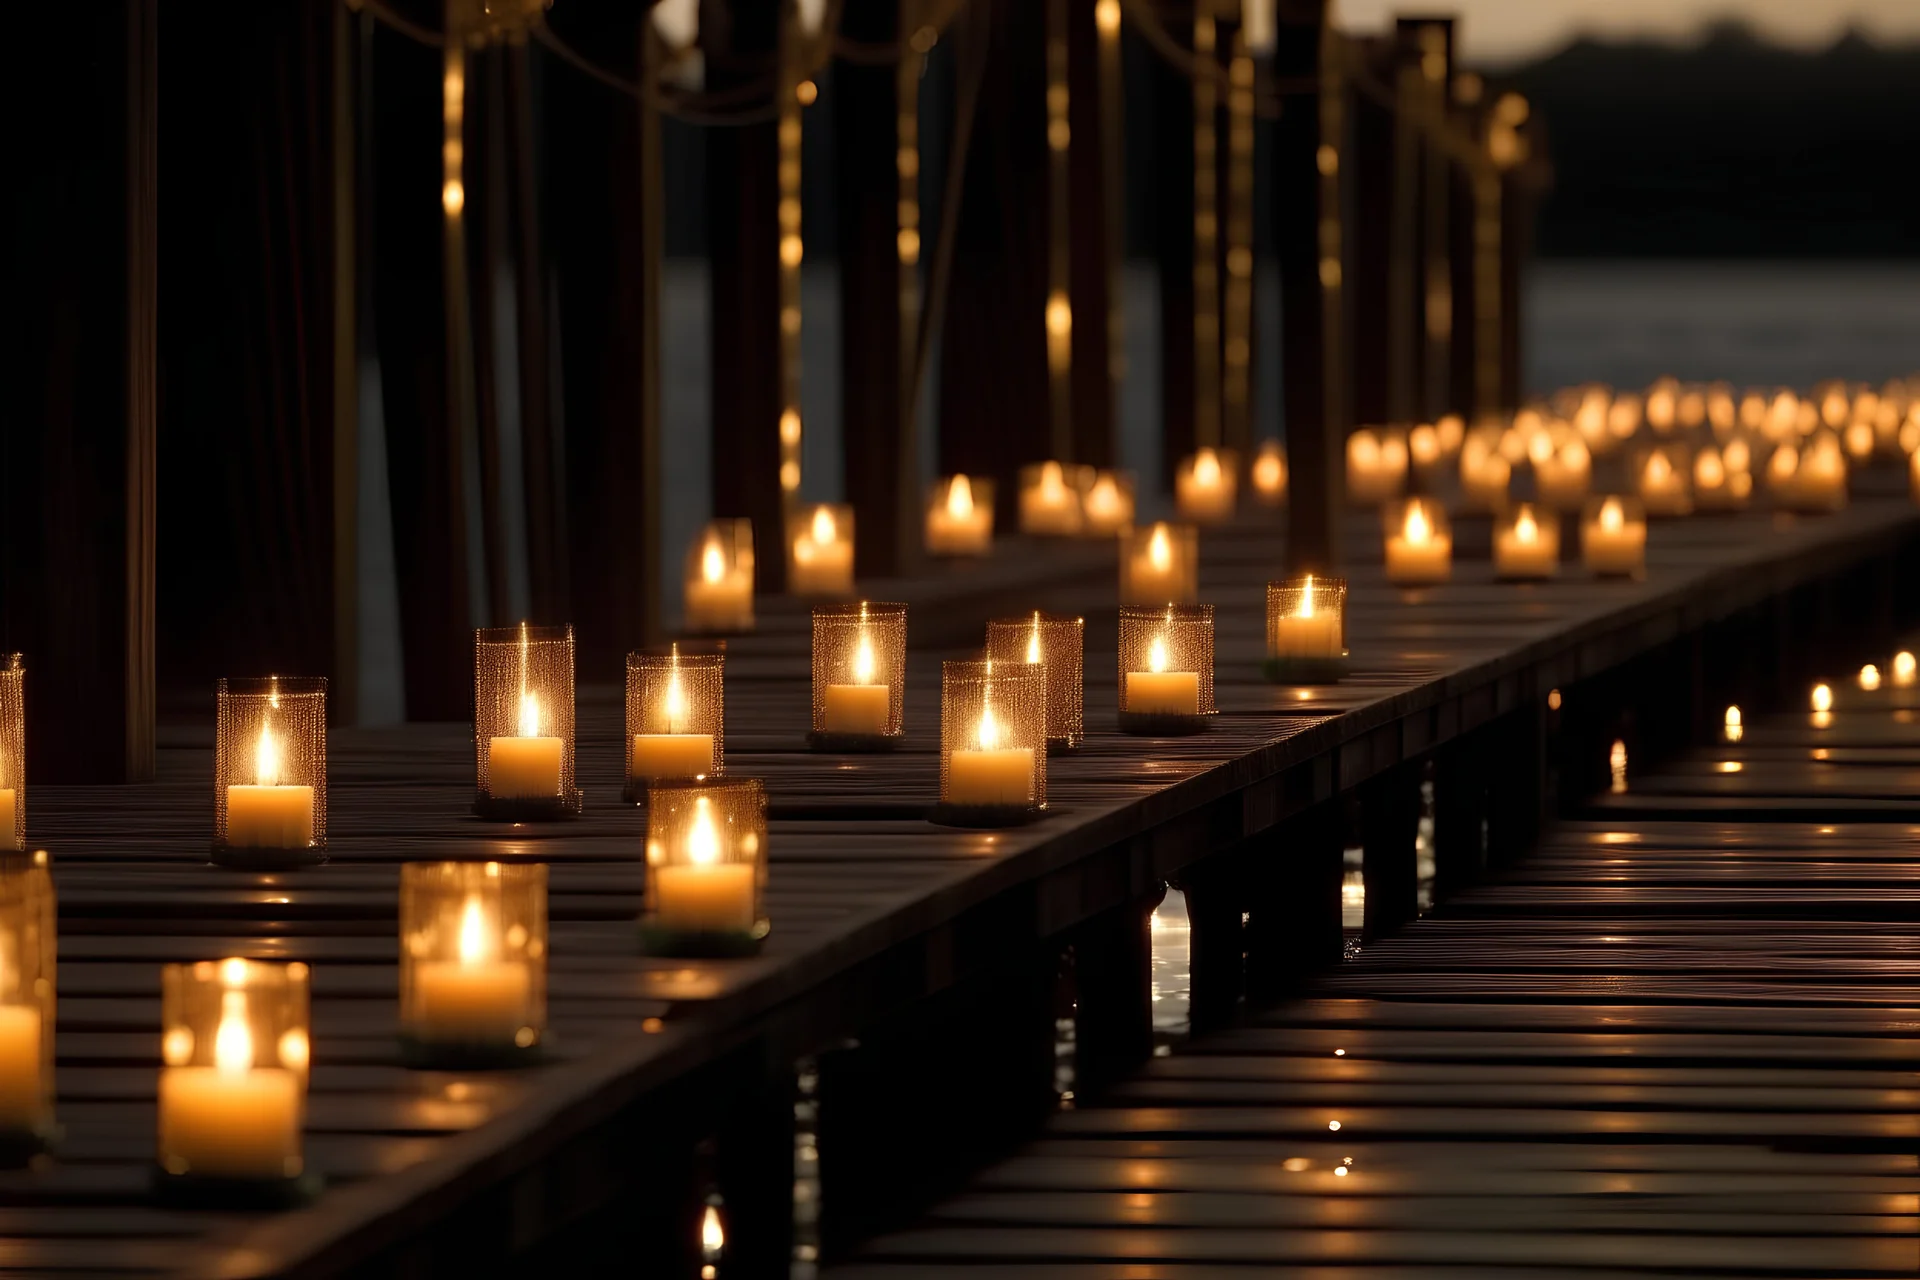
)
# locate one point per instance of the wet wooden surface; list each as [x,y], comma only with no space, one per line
[858,876]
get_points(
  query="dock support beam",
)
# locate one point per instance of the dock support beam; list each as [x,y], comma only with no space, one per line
[1293,903]
[1390,826]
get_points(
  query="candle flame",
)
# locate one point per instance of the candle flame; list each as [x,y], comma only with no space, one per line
[1708,471]
[1157,654]
[266,759]
[1033,641]
[1306,599]
[1903,667]
[863,665]
[1269,473]
[1418,529]
[474,940]
[824,530]
[1659,470]
[703,842]
[1053,483]
[233,1042]
[1524,527]
[1869,677]
[529,715]
[713,563]
[1160,549]
[1822,698]
[990,732]
[1206,468]
[1611,516]
[712,1237]
[960,498]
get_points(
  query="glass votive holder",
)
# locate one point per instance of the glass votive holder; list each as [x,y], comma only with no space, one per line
[1376,466]
[706,868]
[1057,644]
[1665,483]
[1206,486]
[13,753]
[718,589]
[993,743]
[1419,542]
[1564,476]
[523,723]
[1717,486]
[1269,474]
[1306,630]
[1160,564]
[28,950]
[820,550]
[960,516]
[859,676]
[235,1044]
[1166,668]
[1107,507]
[1613,536]
[1050,497]
[676,713]
[270,772]
[1526,544]
[473,963]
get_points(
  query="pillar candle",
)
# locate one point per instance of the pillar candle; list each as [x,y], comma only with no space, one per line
[1002,776]
[1051,505]
[1204,490]
[9,820]
[471,1001]
[1307,635]
[20,1099]
[1526,549]
[523,768]
[719,599]
[1418,553]
[278,817]
[957,526]
[1163,693]
[705,898]
[1108,507]
[856,708]
[1612,544]
[670,755]
[228,1123]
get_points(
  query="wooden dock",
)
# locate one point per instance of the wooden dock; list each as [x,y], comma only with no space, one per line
[917,966]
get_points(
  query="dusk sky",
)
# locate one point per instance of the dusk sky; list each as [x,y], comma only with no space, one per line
[1496,31]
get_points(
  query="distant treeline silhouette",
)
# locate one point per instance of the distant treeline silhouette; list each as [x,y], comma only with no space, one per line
[1730,148]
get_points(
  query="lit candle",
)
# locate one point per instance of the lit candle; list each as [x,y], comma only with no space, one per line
[862,707]
[1903,669]
[1155,576]
[1663,487]
[822,561]
[233,1119]
[1869,677]
[1821,480]
[1307,632]
[1484,476]
[478,998]
[1269,474]
[990,774]
[1418,552]
[1203,488]
[268,815]
[1526,548]
[1376,467]
[526,767]
[1158,691]
[9,820]
[703,894]
[719,598]
[1611,543]
[956,526]
[1108,507]
[20,1093]
[672,752]
[1050,504]
[1564,476]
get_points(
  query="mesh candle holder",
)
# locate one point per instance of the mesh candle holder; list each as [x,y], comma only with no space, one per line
[523,724]
[718,590]
[1206,486]
[706,868]
[1526,544]
[235,1043]
[1160,564]
[1166,669]
[859,676]
[960,517]
[1050,498]
[993,743]
[1306,630]
[1613,536]
[27,954]
[1419,542]
[676,710]
[13,753]
[1057,644]
[1107,507]
[473,963]
[270,772]
[1269,474]
[820,551]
